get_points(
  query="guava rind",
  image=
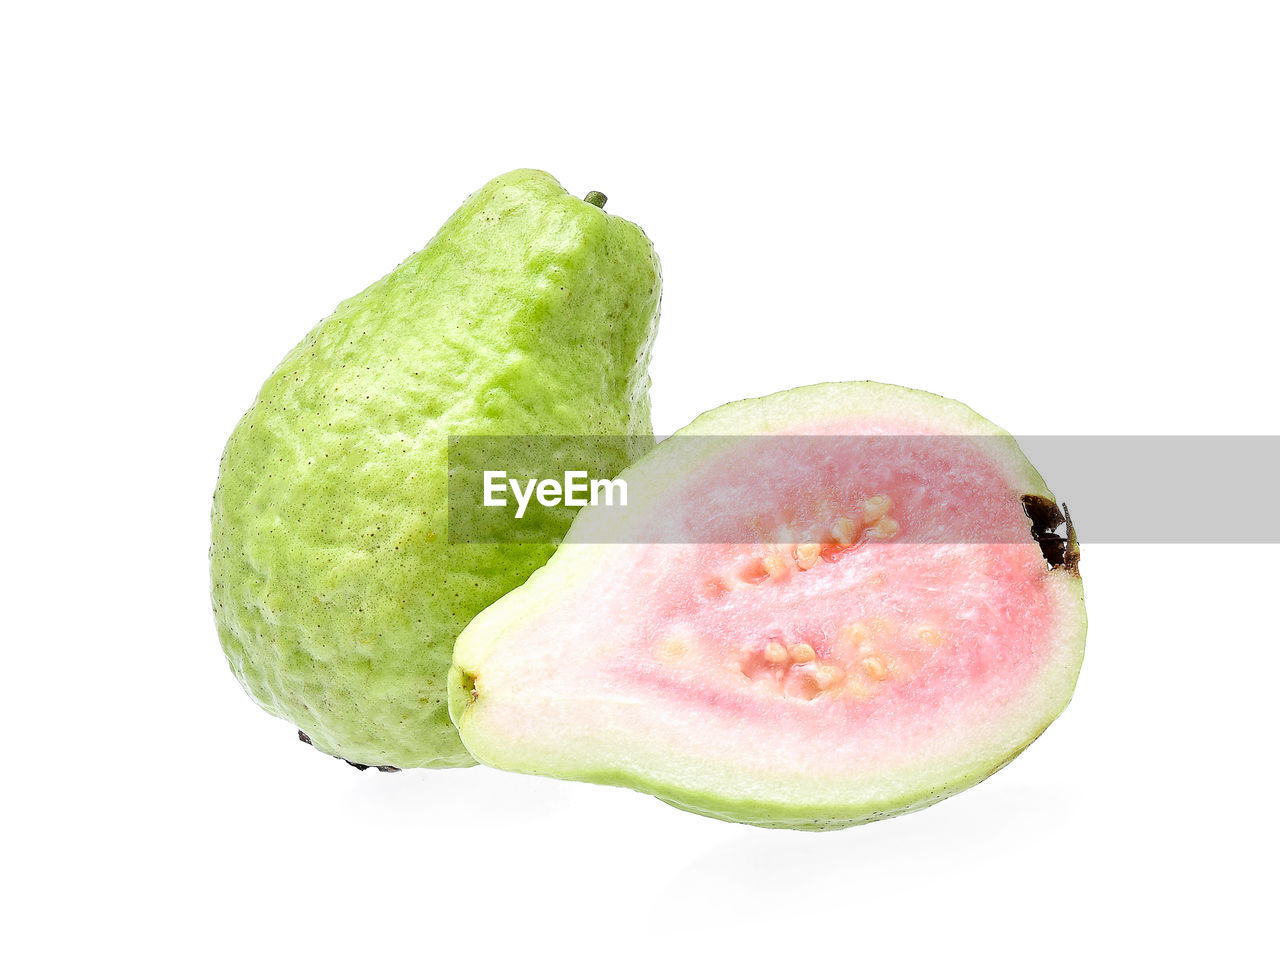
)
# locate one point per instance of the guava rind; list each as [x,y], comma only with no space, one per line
[336,594]
[581,755]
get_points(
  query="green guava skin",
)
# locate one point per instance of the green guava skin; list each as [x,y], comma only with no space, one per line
[336,594]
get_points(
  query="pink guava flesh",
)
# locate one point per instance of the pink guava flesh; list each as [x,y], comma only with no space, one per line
[883,630]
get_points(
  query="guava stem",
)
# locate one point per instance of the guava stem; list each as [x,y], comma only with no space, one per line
[597,198]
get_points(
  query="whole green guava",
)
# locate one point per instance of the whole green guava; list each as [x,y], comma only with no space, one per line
[336,591]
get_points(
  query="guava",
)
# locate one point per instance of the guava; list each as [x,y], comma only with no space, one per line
[336,593]
[890,624]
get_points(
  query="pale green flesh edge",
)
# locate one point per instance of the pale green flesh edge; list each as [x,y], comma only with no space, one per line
[819,816]
[815,818]
[574,564]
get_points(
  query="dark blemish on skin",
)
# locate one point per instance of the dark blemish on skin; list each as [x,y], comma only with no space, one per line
[359,767]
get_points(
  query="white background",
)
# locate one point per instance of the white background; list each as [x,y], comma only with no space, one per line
[1066,215]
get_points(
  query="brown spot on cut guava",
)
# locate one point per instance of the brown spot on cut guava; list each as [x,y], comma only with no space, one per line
[469,686]
[1046,518]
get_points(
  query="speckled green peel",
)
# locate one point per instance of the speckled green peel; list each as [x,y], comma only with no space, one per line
[336,596]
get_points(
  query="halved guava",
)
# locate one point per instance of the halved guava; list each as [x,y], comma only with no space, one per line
[894,624]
